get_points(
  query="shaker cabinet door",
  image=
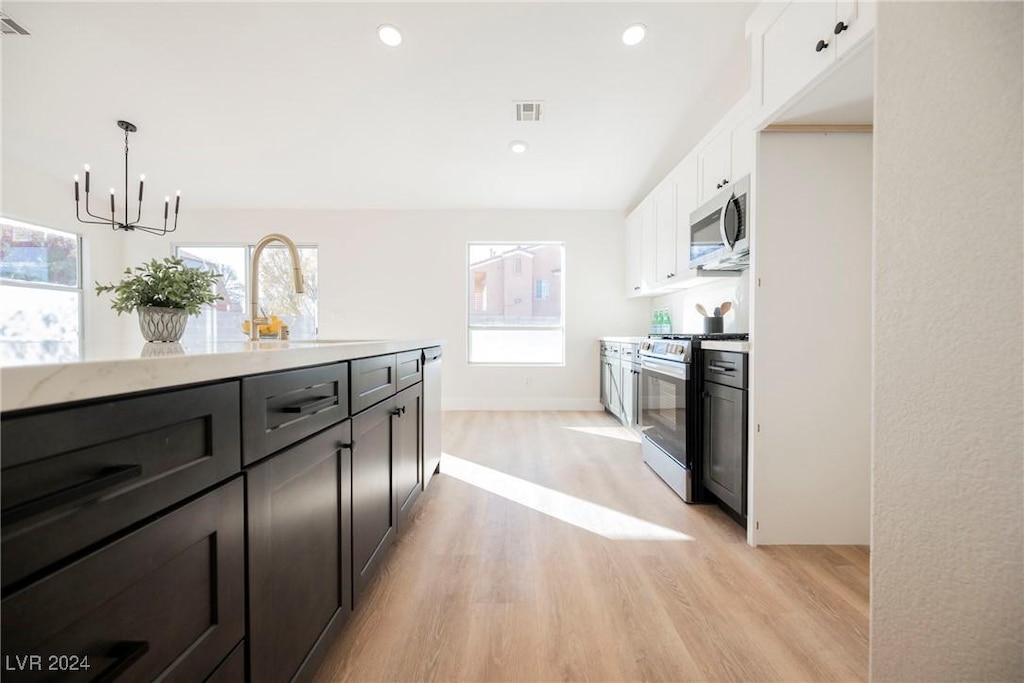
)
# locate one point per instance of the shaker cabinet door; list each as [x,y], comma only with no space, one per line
[373,512]
[408,452]
[166,601]
[298,551]
[725,444]
[791,57]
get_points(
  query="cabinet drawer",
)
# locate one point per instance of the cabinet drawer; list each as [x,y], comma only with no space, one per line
[726,367]
[73,476]
[283,407]
[410,368]
[373,380]
[166,601]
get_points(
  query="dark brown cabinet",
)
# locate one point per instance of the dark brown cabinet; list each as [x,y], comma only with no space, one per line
[410,368]
[725,428]
[165,601]
[373,512]
[407,446]
[73,476]
[373,380]
[299,551]
[216,533]
[280,408]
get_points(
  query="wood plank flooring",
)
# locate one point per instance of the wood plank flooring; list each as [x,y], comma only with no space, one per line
[553,574]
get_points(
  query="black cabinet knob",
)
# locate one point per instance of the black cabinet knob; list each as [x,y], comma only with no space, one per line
[840,27]
[718,186]
[820,46]
[671,275]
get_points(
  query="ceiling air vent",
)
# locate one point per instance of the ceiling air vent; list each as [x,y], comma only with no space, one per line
[528,111]
[10,27]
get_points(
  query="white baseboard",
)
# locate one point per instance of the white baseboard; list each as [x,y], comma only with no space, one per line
[521,404]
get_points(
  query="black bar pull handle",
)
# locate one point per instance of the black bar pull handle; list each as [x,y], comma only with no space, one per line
[126,653]
[106,478]
[726,371]
[310,406]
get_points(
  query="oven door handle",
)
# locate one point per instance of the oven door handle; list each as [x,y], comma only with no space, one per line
[674,370]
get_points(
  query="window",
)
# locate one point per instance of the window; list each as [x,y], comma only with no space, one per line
[40,294]
[515,295]
[223,320]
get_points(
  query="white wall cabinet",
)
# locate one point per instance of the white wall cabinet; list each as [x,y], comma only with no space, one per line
[794,47]
[641,241]
[728,153]
[634,255]
[715,163]
[686,201]
[858,17]
[665,256]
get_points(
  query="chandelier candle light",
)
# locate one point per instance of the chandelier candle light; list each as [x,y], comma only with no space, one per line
[127,127]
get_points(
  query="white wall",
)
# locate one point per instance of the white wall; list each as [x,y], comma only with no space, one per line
[809,468]
[681,305]
[947,564]
[393,274]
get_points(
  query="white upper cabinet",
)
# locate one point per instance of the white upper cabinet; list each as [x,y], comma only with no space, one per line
[648,241]
[640,245]
[634,255]
[855,20]
[686,202]
[665,232]
[728,153]
[744,143]
[794,45]
[715,163]
[797,47]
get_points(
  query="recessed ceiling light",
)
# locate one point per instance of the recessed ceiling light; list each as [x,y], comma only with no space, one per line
[634,34]
[389,35]
[518,146]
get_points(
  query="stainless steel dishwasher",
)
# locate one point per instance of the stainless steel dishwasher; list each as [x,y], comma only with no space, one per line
[431,413]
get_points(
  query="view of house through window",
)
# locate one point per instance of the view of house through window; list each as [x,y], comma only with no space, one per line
[223,320]
[515,303]
[40,294]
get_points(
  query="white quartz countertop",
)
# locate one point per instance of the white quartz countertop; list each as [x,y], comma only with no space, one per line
[623,340]
[737,346]
[156,366]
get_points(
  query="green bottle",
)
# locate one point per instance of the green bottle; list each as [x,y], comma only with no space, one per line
[667,320]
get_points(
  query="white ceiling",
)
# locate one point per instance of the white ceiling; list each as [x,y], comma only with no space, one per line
[294,105]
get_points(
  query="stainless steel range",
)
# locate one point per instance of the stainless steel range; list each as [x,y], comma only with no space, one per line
[669,407]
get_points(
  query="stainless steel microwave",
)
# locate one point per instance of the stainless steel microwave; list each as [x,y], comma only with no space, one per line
[718,230]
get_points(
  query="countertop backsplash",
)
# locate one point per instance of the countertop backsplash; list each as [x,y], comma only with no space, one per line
[682,305]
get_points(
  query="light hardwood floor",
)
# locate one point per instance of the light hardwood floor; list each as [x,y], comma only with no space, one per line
[551,552]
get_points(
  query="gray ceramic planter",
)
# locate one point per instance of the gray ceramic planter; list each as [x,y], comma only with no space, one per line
[162,324]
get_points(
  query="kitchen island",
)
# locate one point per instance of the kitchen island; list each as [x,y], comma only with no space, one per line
[209,514]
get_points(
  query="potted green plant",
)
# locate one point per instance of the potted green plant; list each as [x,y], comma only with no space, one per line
[164,293]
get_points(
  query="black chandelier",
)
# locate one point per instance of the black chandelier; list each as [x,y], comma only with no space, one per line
[127,127]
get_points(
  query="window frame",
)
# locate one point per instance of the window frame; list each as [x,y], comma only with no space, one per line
[249,247]
[78,288]
[469,292]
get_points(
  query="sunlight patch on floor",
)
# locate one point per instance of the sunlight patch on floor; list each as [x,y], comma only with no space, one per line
[592,517]
[620,433]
